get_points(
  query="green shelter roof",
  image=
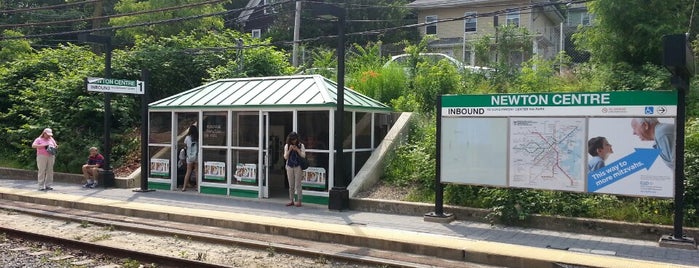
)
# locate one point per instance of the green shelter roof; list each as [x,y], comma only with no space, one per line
[267,92]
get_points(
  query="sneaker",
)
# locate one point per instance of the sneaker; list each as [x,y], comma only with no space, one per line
[87,185]
[42,189]
[93,185]
[49,188]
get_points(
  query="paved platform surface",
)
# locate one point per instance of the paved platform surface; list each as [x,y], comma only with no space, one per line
[475,242]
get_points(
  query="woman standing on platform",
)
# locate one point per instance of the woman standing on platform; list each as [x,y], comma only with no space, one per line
[45,147]
[293,151]
[191,142]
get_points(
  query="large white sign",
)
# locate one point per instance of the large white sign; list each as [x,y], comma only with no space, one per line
[620,142]
[110,85]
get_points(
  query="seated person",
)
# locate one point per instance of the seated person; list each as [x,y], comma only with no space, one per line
[92,168]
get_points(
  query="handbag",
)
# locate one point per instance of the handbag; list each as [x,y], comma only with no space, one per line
[303,163]
[51,150]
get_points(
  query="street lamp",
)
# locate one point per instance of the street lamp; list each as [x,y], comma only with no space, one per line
[107,174]
[339,195]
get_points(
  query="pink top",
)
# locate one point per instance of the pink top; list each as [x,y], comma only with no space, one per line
[41,142]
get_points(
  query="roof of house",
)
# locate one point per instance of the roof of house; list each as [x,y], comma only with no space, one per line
[268,92]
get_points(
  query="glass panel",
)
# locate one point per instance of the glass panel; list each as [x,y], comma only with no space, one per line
[348,168]
[360,159]
[246,127]
[431,28]
[382,123]
[160,124]
[363,131]
[214,131]
[246,169]
[159,162]
[313,128]
[347,131]
[184,121]
[214,165]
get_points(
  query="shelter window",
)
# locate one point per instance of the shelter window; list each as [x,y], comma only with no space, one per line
[246,127]
[363,130]
[313,127]
[214,128]
[160,127]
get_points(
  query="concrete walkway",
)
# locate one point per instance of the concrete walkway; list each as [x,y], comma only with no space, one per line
[458,240]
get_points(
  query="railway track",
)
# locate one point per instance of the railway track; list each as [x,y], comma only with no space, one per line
[274,250]
[142,257]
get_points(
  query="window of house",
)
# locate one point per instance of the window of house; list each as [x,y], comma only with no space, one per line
[513,18]
[431,28]
[585,19]
[470,22]
[256,33]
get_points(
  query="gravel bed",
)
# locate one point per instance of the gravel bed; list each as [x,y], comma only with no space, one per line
[174,246]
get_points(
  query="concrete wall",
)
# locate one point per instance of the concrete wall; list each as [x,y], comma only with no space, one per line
[374,167]
[21,174]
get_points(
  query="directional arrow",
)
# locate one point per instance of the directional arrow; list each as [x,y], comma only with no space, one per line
[641,158]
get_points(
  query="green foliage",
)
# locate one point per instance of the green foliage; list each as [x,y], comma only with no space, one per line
[434,80]
[362,59]
[624,31]
[412,163]
[13,49]
[132,34]
[537,75]
[382,84]
[47,89]
[691,172]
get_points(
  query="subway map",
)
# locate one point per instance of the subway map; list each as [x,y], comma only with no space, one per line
[547,153]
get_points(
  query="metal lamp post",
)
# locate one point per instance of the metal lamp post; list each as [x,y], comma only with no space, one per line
[339,195]
[107,174]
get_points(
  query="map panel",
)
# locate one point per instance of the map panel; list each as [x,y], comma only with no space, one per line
[547,153]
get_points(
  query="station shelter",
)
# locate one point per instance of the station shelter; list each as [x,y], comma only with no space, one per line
[243,124]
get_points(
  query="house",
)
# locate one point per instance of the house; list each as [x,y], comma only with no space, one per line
[258,16]
[461,23]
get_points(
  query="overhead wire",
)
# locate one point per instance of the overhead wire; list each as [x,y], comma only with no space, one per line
[34,24]
[149,23]
[10,11]
[374,31]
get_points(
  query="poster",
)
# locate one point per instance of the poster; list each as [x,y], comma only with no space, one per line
[314,177]
[160,167]
[214,170]
[246,173]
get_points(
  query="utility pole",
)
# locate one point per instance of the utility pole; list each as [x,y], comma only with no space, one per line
[297,26]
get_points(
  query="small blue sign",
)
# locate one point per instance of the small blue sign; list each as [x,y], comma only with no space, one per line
[649,110]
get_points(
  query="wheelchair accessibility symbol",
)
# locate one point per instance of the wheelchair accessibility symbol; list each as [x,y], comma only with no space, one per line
[649,110]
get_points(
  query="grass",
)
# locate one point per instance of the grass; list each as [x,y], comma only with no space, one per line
[101,237]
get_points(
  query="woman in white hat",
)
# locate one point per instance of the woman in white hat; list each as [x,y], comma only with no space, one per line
[45,157]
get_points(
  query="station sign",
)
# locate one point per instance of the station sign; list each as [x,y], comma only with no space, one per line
[110,85]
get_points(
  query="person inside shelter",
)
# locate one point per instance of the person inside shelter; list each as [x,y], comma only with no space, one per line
[92,168]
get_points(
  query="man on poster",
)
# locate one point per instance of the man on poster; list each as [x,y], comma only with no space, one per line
[650,129]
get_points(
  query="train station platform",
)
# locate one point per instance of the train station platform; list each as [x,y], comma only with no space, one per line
[458,240]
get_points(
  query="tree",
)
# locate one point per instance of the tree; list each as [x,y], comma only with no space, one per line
[26,16]
[13,48]
[631,31]
[179,24]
